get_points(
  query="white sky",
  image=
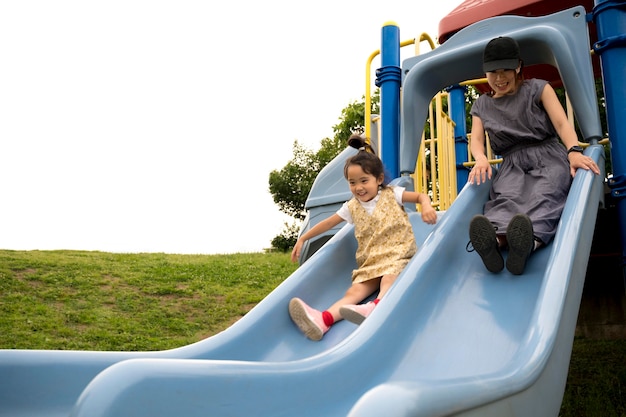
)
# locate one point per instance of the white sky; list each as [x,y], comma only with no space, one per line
[153,125]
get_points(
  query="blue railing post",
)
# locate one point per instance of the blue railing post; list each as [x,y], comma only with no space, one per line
[610,19]
[456,104]
[388,78]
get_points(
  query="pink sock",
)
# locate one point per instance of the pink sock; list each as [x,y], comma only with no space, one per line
[328,318]
[376,301]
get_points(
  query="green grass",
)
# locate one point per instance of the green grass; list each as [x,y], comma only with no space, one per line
[596,383]
[137,302]
[130,302]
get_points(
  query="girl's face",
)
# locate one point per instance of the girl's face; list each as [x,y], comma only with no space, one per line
[362,185]
[502,82]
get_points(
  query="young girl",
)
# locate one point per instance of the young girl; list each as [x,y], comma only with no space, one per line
[525,121]
[384,236]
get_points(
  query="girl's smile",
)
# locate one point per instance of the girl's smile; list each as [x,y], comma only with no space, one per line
[363,186]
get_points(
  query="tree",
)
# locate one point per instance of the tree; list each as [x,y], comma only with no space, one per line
[290,186]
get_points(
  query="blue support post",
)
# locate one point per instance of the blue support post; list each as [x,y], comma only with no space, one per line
[388,78]
[456,103]
[610,19]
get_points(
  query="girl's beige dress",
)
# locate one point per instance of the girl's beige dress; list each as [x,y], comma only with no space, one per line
[385,238]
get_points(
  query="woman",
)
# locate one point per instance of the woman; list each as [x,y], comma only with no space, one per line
[524,120]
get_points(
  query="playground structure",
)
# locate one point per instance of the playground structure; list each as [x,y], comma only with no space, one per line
[450,338]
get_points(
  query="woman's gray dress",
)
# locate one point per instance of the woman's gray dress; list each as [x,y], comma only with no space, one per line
[534,177]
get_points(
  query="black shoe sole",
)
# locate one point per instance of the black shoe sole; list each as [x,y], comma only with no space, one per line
[519,235]
[483,238]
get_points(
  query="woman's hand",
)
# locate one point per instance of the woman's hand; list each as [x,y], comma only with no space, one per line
[480,173]
[578,160]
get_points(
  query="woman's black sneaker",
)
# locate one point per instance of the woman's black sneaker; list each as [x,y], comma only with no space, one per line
[519,235]
[483,238]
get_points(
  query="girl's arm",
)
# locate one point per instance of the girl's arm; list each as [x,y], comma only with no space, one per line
[429,215]
[323,226]
[482,169]
[566,132]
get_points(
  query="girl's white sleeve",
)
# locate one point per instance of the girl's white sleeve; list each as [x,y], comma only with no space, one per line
[398,191]
[344,213]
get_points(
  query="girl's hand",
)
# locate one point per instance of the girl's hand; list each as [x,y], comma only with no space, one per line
[429,215]
[295,253]
[480,173]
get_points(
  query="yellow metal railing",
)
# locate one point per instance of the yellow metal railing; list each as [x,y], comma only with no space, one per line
[435,170]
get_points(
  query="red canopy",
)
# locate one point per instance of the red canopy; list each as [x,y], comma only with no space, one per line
[471,11]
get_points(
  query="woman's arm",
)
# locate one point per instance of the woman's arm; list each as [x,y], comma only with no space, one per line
[482,168]
[566,132]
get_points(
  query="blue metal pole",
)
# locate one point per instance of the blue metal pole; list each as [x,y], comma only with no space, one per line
[388,78]
[456,104]
[610,19]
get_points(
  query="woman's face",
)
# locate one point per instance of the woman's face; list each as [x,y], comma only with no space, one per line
[502,81]
[362,185]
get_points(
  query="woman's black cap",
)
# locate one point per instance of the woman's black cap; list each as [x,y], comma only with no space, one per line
[501,53]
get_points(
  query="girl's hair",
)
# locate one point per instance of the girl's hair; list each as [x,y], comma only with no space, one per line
[366,158]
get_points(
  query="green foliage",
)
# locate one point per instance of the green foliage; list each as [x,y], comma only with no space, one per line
[287,238]
[470,98]
[290,186]
[352,118]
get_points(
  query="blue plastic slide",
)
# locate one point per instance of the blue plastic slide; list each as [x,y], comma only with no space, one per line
[448,339]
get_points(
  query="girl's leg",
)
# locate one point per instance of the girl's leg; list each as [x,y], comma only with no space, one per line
[385,283]
[356,313]
[356,293]
[314,323]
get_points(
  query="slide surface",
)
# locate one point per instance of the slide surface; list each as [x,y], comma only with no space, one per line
[448,339]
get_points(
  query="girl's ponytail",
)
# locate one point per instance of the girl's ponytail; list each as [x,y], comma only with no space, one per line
[358,142]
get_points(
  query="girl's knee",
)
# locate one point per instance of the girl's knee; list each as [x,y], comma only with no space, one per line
[363,289]
[388,279]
